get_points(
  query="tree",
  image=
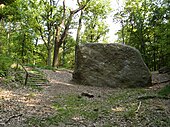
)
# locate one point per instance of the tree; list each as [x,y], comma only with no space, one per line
[93,17]
[45,15]
[6,1]
[17,35]
[144,22]
[64,22]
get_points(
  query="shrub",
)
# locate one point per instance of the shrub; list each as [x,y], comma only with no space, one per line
[5,63]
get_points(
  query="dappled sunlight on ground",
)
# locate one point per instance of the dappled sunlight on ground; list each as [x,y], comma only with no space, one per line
[6,94]
[29,100]
[26,98]
[22,104]
[118,109]
[62,83]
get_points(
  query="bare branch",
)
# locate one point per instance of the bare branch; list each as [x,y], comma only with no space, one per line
[138,106]
[78,9]
[64,14]
[81,7]
[78,2]
[63,36]
[57,2]
[41,33]
[64,8]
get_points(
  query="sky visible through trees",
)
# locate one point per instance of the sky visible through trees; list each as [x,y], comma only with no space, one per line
[113,26]
[45,32]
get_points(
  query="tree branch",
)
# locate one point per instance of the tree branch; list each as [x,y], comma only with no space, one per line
[78,2]
[81,7]
[63,36]
[78,9]
[41,33]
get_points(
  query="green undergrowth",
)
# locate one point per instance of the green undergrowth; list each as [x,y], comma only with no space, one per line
[41,66]
[17,78]
[36,79]
[5,63]
[165,91]
[60,68]
[121,107]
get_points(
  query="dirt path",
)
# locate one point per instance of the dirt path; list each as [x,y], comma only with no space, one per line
[60,83]
[16,105]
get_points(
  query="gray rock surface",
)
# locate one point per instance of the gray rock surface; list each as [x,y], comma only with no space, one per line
[112,65]
[158,78]
[164,70]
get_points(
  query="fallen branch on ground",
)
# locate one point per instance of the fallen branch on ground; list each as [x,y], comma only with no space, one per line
[14,116]
[161,82]
[138,106]
[153,97]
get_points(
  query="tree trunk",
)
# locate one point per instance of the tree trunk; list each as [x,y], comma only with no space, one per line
[59,40]
[49,48]
[64,53]
[9,40]
[49,57]
[123,36]
[23,48]
[60,37]
[56,53]
[78,34]
[79,28]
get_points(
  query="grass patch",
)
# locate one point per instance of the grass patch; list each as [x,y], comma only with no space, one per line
[165,91]
[118,108]
[73,106]
[41,66]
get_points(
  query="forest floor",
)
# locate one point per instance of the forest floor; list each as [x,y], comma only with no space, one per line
[60,103]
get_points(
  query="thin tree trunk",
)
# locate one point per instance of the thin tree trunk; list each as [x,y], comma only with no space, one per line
[78,35]
[64,53]
[49,48]
[123,36]
[23,48]
[79,28]
[49,57]
[9,40]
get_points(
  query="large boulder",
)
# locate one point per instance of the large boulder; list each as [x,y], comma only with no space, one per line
[113,65]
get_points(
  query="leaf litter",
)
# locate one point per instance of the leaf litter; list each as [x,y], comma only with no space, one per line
[62,103]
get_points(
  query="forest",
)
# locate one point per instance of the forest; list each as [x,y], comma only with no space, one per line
[40,33]
[38,40]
